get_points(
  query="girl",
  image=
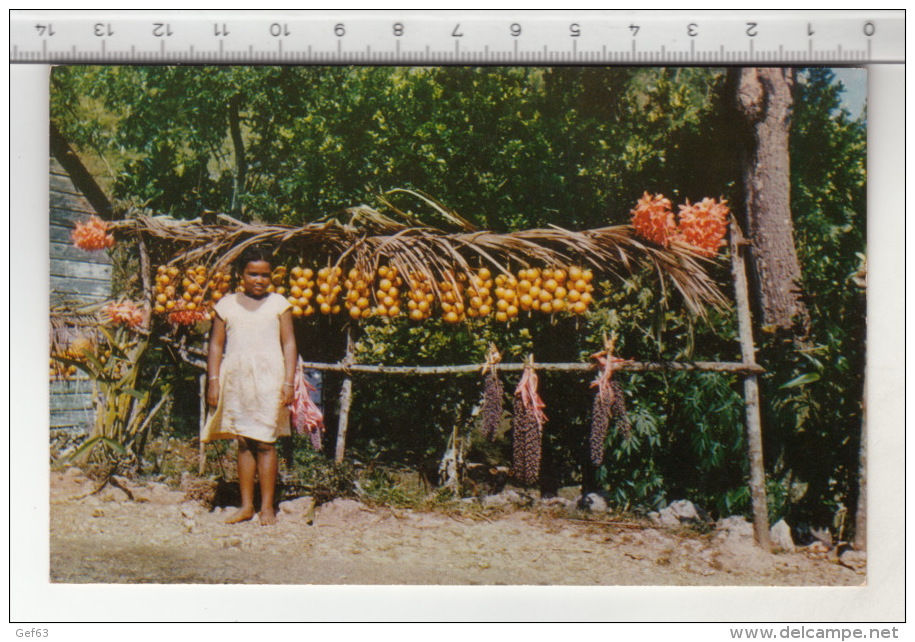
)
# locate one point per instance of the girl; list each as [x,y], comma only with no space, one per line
[251,365]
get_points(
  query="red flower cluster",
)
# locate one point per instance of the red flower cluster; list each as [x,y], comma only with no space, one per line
[704,224]
[92,235]
[187,317]
[653,219]
[125,313]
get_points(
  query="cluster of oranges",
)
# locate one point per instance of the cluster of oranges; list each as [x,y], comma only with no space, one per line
[387,296]
[301,290]
[548,290]
[420,297]
[188,296]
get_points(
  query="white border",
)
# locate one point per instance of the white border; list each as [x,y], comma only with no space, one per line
[34,599]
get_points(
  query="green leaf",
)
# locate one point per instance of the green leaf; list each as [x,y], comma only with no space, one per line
[114,445]
[809,377]
[136,394]
[85,447]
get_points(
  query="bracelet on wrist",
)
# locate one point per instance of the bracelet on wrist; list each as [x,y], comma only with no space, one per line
[289,384]
[214,378]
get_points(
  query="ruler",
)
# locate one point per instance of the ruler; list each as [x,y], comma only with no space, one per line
[526,37]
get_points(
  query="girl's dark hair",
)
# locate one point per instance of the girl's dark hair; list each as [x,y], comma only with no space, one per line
[252,253]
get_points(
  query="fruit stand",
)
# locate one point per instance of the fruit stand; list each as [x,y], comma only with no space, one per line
[366,265]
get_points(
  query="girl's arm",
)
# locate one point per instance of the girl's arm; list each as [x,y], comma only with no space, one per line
[214,360]
[290,354]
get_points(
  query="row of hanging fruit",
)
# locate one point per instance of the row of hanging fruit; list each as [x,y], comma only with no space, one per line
[186,295]
[529,417]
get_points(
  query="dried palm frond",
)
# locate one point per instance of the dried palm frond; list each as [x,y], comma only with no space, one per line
[369,239]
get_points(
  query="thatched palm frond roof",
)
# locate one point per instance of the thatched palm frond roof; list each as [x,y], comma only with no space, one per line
[368,239]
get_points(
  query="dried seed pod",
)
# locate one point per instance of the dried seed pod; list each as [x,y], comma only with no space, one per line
[618,410]
[492,404]
[609,403]
[527,427]
[600,421]
[526,443]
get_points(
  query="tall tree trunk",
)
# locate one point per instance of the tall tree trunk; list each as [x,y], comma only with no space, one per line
[764,102]
[861,512]
[241,163]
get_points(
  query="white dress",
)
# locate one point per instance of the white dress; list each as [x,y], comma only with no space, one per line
[252,373]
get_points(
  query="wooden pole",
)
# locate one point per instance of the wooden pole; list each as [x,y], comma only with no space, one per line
[346,398]
[196,356]
[629,366]
[201,453]
[861,513]
[750,392]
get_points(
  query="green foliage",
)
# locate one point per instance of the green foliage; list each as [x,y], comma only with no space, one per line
[515,148]
[124,406]
[815,393]
[319,474]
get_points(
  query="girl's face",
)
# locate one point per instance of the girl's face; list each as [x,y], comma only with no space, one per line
[255,278]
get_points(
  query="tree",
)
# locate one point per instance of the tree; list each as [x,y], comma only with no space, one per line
[764,101]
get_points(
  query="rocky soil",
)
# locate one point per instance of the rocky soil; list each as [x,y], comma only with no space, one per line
[161,536]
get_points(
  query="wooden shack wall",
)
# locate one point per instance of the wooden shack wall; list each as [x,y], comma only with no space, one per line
[75,276]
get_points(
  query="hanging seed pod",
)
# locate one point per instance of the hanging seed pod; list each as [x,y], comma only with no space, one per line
[600,421]
[609,404]
[493,392]
[527,427]
[618,410]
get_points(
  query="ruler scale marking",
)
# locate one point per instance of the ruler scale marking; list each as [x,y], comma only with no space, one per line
[842,37]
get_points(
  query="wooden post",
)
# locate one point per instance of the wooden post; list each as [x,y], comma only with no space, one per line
[201,453]
[750,392]
[861,513]
[346,398]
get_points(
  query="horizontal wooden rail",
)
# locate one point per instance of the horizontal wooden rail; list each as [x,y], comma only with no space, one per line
[188,353]
[630,366]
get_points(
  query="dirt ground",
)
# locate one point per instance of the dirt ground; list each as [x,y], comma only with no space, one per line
[160,537]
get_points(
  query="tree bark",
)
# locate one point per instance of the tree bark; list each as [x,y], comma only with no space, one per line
[241,163]
[764,102]
[861,512]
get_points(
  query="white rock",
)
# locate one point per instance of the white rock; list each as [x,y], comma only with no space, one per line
[856,559]
[780,536]
[735,525]
[668,518]
[683,509]
[595,503]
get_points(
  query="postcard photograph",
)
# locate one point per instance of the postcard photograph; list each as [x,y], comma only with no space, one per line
[579,326]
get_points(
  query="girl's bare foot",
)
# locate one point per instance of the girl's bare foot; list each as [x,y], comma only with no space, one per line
[267,517]
[243,514]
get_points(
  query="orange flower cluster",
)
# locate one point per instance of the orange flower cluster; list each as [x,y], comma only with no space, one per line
[704,224]
[92,235]
[186,316]
[701,225]
[653,219]
[125,313]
